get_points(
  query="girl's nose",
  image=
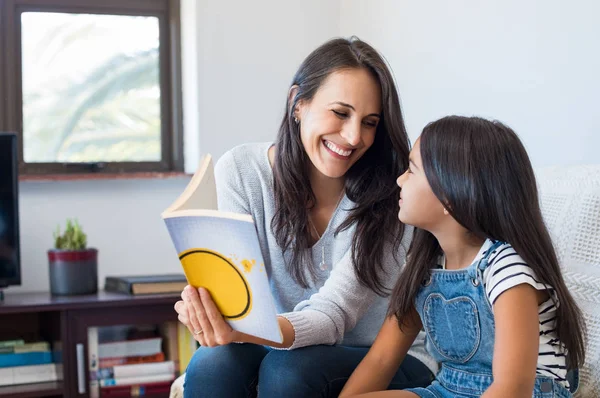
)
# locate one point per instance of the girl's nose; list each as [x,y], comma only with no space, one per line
[401,179]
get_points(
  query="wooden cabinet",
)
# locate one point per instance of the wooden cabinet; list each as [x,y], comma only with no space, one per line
[40,316]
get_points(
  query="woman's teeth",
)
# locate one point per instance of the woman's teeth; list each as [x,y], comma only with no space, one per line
[337,149]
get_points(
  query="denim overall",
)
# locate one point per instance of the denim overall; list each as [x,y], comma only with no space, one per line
[458,319]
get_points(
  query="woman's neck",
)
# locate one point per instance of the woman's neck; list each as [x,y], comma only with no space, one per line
[327,191]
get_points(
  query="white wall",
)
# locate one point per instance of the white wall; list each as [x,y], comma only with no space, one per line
[532,64]
[247,53]
[238,62]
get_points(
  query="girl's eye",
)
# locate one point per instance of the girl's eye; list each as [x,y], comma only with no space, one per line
[409,171]
[371,123]
[341,115]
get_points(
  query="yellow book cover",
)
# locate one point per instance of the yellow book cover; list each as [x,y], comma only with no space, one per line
[220,252]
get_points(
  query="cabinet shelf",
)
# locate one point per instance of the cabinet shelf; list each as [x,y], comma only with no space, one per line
[48,389]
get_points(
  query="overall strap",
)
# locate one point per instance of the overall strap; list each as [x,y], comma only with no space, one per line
[483,263]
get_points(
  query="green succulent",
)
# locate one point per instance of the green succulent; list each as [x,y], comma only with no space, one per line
[72,239]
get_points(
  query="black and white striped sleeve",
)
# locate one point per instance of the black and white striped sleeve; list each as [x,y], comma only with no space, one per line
[506,270]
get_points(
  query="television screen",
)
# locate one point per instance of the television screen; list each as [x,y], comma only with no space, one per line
[10,267]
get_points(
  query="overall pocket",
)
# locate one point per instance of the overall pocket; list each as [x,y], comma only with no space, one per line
[452,326]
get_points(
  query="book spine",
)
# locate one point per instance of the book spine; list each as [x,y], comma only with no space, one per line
[30,374]
[148,369]
[137,380]
[187,346]
[136,390]
[40,346]
[110,362]
[25,359]
[11,343]
[130,348]
[115,285]
[169,333]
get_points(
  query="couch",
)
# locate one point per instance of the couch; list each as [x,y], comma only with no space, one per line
[570,201]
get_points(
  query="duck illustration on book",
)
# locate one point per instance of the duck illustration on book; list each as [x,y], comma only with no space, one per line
[220,251]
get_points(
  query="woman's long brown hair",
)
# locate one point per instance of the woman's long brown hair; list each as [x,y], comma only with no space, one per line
[369,183]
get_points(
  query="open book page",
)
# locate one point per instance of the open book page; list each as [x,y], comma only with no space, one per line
[201,191]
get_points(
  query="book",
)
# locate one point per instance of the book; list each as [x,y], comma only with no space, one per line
[25,359]
[11,343]
[220,251]
[110,362]
[145,284]
[127,381]
[130,348]
[142,369]
[38,346]
[186,346]
[136,390]
[30,374]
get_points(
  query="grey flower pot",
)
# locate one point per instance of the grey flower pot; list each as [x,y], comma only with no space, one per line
[73,272]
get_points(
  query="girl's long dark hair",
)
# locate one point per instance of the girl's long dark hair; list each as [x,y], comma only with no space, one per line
[480,170]
[369,183]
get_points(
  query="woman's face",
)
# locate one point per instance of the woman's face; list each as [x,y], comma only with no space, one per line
[338,125]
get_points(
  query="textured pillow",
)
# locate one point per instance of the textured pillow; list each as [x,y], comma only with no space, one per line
[570,201]
[177,387]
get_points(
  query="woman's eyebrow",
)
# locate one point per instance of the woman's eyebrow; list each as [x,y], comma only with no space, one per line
[351,107]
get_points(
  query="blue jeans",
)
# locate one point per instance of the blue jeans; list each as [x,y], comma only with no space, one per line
[240,370]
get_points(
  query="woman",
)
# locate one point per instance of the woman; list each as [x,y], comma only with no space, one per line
[324,202]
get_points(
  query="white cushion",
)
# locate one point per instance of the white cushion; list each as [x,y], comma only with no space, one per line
[177,387]
[570,201]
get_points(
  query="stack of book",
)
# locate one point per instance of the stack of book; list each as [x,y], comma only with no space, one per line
[25,363]
[133,367]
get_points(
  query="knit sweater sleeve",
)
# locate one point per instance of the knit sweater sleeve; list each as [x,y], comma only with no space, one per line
[335,309]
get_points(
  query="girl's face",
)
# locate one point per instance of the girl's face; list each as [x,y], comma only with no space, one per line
[418,204]
[338,125]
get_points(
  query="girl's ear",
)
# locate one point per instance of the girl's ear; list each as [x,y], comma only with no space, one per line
[446,211]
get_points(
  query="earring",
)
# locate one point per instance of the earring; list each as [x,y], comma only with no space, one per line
[446,211]
[296,120]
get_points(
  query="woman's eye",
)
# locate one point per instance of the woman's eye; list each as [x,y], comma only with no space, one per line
[339,114]
[371,123]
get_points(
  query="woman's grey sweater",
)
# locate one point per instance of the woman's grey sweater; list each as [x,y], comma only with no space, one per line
[338,309]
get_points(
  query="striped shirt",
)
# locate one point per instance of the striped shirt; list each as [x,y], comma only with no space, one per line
[506,269]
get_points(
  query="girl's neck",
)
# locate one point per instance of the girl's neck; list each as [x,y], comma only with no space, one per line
[460,248]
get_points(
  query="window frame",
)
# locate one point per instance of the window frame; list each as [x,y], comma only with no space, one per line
[11,91]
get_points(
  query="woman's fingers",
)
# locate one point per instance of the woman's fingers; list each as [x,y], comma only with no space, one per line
[188,314]
[221,329]
[181,312]
[202,327]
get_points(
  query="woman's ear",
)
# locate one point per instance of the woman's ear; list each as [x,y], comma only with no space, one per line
[291,95]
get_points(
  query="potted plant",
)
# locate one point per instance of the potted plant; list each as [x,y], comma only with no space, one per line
[73,266]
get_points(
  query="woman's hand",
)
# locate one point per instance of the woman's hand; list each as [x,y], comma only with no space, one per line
[199,313]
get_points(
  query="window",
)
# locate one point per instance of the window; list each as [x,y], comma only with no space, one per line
[92,85]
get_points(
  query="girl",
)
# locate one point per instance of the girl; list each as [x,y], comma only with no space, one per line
[481,277]
[323,199]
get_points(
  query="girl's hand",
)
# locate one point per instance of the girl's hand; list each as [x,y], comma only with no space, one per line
[199,313]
